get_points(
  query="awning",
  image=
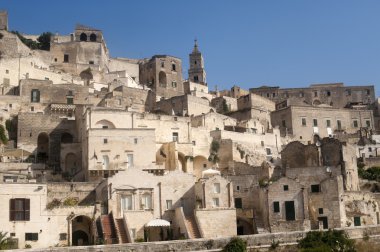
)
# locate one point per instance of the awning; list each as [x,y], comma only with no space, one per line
[210,172]
[158,223]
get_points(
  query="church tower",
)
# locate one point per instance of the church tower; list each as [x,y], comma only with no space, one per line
[197,72]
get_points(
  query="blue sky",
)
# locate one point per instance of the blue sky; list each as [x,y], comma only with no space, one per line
[291,43]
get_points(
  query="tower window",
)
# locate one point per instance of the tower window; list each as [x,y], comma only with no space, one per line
[173,67]
[65,58]
[196,79]
[195,62]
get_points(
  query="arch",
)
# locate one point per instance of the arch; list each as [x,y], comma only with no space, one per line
[244,226]
[182,165]
[42,147]
[200,163]
[162,79]
[83,37]
[93,37]
[86,74]
[67,138]
[71,163]
[316,103]
[81,230]
[105,124]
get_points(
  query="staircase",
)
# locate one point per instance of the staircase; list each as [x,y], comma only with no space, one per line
[108,228]
[121,232]
[192,227]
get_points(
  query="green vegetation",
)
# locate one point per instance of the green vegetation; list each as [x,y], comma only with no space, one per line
[236,244]
[3,137]
[3,240]
[53,204]
[225,107]
[331,240]
[214,152]
[70,201]
[372,173]
[42,43]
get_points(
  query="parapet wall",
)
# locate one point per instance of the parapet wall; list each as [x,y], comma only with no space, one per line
[217,244]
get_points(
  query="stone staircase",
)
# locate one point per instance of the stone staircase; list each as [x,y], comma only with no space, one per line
[192,227]
[120,230]
[108,229]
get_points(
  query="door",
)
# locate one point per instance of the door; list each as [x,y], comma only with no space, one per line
[324,222]
[290,211]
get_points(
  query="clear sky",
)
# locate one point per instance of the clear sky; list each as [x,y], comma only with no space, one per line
[291,43]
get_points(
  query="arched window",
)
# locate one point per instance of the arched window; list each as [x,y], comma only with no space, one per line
[83,37]
[67,138]
[162,79]
[93,37]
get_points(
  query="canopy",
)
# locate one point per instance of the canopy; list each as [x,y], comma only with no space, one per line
[158,223]
[210,172]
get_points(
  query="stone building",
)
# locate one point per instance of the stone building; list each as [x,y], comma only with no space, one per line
[334,94]
[162,74]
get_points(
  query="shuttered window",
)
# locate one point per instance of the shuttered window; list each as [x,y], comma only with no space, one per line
[19,209]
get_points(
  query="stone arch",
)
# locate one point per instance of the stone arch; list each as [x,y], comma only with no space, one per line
[105,124]
[200,164]
[71,163]
[182,164]
[162,79]
[42,147]
[67,138]
[83,37]
[81,231]
[86,75]
[93,37]
[244,226]
[316,103]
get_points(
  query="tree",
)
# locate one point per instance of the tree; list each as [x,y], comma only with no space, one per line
[331,240]
[44,40]
[3,137]
[236,244]
[3,240]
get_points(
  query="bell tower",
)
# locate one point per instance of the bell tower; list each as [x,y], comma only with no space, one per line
[197,72]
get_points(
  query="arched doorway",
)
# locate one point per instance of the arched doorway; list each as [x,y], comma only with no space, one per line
[162,79]
[81,227]
[42,147]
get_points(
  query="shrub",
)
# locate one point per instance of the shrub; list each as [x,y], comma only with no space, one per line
[70,201]
[236,244]
[372,173]
[3,137]
[331,240]
[3,240]
[53,204]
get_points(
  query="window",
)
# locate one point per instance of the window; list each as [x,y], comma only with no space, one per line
[35,95]
[195,62]
[104,127]
[173,67]
[91,62]
[55,59]
[19,209]
[63,236]
[268,95]
[32,108]
[237,188]
[65,58]
[276,207]
[328,93]
[328,123]
[215,202]
[135,140]
[70,100]
[105,140]
[169,204]
[368,92]
[204,165]
[31,236]
[216,188]
[83,37]
[194,143]
[238,203]
[196,79]
[320,210]
[284,123]
[339,124]
[146,201]
[357,221]
[126,202]
[174,84]
[269,151]
[355,123]
[315,188]
[348,92]
[262,143]
[175,136]
[162,64]
[301,94]
[93,37]
[303,121]
[315,93]
[315,122]
[106,162]
[368,123]
[369,149]
[130,160]
[286,188]
[7,71]
[10,105]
